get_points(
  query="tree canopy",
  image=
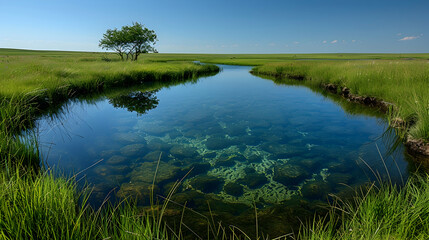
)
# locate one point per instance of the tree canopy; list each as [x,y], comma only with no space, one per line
[130,41]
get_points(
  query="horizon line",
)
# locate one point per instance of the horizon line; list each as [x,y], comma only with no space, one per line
[83,51]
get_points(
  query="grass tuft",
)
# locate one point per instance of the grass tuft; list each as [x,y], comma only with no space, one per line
[385,212]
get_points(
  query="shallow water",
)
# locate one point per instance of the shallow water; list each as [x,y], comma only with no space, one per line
[243,141]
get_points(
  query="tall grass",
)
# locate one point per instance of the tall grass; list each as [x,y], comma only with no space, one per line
[403,83]
[386,212]
[41,207]
[15,117]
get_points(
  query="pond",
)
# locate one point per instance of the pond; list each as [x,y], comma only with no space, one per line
[238,143]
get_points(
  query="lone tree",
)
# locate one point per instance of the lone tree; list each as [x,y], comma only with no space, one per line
[130,41]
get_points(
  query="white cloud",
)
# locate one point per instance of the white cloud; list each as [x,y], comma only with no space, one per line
[335,41]
[409,38]
[295,42]
[353,41]
[324,41]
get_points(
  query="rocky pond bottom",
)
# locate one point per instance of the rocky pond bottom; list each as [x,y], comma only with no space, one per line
[238,142]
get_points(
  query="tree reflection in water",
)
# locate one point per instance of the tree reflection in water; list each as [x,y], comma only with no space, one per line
[139,102]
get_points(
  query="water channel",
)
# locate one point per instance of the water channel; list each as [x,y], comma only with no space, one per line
[242,142]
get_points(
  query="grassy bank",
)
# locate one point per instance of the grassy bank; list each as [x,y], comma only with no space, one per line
[71,75]
[403,83]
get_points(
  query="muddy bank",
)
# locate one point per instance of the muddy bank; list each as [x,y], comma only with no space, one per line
[418,147]
[374,102]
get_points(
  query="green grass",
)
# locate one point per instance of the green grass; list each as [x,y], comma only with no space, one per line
[235,59]
[46,75]
[16,117]
[387,212]
[404,83]
[40,206]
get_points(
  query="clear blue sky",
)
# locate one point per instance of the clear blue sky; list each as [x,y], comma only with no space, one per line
[233,26]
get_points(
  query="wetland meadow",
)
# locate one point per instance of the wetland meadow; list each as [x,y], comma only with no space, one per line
[213,146]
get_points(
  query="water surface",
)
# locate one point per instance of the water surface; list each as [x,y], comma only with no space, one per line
[243,141]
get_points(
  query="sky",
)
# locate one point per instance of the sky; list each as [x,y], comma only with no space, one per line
[223,26]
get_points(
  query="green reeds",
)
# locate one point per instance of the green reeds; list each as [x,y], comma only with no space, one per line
[15,118]
[39,206]
[130,222]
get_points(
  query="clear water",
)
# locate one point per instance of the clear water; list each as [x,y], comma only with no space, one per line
[243,141]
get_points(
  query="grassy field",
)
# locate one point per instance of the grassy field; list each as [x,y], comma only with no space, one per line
[35,205]
[261,59]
